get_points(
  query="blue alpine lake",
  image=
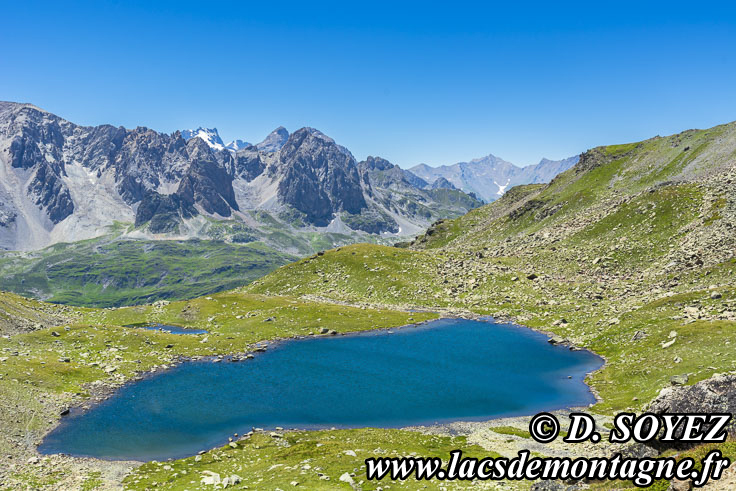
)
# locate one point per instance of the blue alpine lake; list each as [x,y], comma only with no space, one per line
[445,370]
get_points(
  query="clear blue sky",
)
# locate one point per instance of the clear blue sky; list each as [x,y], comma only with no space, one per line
[412,82]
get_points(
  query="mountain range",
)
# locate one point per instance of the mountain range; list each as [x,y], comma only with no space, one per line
[272,143]
[487,177]
[490,177]
[62,182]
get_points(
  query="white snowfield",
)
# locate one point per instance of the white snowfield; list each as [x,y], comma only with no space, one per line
[210,136]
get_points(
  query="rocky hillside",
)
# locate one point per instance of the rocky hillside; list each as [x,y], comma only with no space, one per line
[64,182]
[659,204]
[490,177]
[18,314]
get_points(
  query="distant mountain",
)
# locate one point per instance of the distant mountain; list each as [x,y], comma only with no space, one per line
[236,145]
[60,182]
[442,183]
[208,135]
[274,141]
[212,138]
[490,177]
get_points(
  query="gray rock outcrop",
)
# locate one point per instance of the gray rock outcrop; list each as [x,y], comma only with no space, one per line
[714,395]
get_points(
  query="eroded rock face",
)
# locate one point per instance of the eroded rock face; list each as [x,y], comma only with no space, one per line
[249,164]
[49,193]
[207,182]
[36,147]
[39,150]
[164,212]
[318,177]
[146,159]
[128,165]
[714,395]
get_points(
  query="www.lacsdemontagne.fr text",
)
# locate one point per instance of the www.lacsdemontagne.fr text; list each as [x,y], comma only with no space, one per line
[640,471]
[544,427]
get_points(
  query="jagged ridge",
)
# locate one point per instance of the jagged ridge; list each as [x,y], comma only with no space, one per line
[64,182]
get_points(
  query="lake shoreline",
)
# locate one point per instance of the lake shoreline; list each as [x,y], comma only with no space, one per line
[101,391]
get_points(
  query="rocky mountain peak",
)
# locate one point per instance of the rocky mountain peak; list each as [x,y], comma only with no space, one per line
[489,159]
[274,141]
[209,135]
[442,183]
[198,148]
[319,178]
[377,163]
[54,171]
[236,145]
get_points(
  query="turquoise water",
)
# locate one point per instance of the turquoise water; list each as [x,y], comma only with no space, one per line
[168,328]
[442,371]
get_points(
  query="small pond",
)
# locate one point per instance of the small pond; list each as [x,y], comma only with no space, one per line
[168,328]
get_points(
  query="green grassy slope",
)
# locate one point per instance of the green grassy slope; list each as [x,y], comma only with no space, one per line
[103,272]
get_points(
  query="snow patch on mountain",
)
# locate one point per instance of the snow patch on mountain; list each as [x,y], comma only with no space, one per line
[502,189]
[209,135]
[236,145]
[483,175]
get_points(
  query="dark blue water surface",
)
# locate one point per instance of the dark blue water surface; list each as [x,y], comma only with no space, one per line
[445,370]
[168,328]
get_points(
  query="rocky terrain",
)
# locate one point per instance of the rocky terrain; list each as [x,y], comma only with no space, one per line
[62,185]
[490,177]
[64,182]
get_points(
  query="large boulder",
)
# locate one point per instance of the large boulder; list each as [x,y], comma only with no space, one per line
[714,395]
